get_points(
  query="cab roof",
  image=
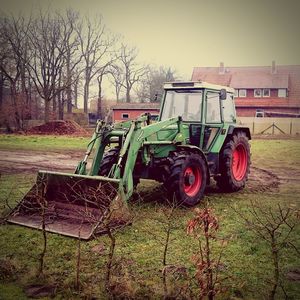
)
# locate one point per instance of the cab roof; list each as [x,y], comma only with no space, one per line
[195,85]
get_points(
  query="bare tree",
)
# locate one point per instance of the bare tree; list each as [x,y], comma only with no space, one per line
[274,225]
[76,86]
[104,70]
[13,57]
[95,46]
[49,49]
[68,23]
[116,79]
[151,85]
[132,71]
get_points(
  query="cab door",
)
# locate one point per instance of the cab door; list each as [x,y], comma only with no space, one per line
[213,120]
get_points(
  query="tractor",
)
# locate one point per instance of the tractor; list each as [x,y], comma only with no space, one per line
[196,138]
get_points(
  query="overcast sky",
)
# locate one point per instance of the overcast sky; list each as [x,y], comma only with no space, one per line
[189,33]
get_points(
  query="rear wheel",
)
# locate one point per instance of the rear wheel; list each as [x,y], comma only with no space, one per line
[234,163]
[187,180]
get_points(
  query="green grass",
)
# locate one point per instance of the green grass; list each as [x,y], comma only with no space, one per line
[41,143]
[246,262]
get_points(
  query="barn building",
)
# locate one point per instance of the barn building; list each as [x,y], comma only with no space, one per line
[130,111]
[263,90]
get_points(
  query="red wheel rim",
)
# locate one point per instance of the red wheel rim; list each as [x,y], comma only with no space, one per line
[239,162]
[192,181]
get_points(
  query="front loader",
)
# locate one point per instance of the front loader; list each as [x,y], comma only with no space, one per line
[196,138]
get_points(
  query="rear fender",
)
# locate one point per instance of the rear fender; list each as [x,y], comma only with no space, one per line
[232,130]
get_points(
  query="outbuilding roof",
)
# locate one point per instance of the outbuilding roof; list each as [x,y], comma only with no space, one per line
[137,106]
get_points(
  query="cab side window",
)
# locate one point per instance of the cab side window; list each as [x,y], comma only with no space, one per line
[213,111]
[228,109]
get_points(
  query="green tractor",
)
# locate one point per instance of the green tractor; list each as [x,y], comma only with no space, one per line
[195,139]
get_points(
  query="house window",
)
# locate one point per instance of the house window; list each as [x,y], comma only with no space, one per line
[242,93]
[282,93]
[266,92]
[257,93]
[236,93]
[125,116]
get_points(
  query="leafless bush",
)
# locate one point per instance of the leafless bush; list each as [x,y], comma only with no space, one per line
[204,227]
[275,225]
[103,207]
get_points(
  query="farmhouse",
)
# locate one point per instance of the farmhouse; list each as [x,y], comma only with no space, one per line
[129,111]
[267,90]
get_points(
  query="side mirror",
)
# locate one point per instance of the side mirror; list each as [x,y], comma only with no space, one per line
[223,94]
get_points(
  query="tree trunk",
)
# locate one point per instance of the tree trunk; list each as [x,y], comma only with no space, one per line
[128,100]
[18,120]
[86,96]
[1,90]
[117,90]
[29,98]
[99,102]
[47,107]
[69,100]
[54,104]
[60,106]
[76,93]
[69,89]
[36,106]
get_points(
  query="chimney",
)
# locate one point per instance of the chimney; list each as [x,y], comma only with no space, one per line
[273,68]
[221,68]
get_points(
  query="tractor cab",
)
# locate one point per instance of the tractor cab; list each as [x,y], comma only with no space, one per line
[205,108]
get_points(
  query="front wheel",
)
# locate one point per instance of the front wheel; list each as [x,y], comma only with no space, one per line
[234,163]
[187,180]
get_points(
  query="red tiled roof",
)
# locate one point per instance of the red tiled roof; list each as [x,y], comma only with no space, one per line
[250,81]
[256,77]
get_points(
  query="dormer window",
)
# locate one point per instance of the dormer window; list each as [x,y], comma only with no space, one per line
[266,92]
[257,93]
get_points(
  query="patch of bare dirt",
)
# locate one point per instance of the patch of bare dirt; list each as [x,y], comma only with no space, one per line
[7,269]
[31,161]
[261,180]
[40,291]
[59,127]
[99,249]
[293,275]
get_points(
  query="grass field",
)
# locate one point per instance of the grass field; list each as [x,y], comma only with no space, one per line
[42,143]
[246,264]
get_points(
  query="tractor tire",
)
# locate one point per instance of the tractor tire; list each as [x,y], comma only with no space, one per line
[109,158]
[187,180]
[234,163]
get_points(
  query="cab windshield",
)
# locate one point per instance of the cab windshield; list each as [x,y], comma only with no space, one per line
[184,103]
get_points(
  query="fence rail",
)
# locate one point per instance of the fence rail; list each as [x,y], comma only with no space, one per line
[289,126]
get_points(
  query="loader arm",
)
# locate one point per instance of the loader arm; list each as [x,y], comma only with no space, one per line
[135,139]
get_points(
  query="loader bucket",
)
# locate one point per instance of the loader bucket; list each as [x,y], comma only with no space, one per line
[72,205]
